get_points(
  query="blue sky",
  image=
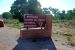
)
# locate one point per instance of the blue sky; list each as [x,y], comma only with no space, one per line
[60,4]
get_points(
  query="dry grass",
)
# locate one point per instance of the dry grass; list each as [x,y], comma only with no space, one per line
[64,32]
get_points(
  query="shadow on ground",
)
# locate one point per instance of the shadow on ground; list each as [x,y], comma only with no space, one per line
[39,44]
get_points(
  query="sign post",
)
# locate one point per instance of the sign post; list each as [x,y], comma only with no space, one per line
[36,26]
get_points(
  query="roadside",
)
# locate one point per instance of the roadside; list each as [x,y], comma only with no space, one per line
[8,37]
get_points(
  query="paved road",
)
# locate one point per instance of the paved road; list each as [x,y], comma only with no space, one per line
[9,40]
[39,44]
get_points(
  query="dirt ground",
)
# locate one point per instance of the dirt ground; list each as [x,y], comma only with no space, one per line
[8,37]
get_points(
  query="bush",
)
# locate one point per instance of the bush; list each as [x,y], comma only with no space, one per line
[13,23]
[70,41]
[7,15]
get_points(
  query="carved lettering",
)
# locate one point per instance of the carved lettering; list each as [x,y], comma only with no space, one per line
[28,20]
[31,21]
[30,26]
[32,16]
[35,19]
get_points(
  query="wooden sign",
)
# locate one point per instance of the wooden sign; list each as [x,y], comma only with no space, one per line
[36,26]
[31,21]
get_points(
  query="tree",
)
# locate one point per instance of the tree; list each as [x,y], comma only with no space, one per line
[7,15]
[54,11]
[69,14]
[46,11]
[34,7]
[19,8]
[62,15]
[73,13]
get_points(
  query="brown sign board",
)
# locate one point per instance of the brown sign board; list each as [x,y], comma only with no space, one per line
[36,26]
[33,21]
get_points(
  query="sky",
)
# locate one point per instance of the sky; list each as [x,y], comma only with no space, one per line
[60,4]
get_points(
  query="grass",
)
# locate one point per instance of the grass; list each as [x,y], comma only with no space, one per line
[13,23]
[68,32]
[71,38]
[70,41]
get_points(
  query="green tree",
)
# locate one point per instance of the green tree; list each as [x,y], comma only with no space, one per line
[46,11]
[62,15]
[69,14]
[7,15]
[54,11]
[19,8]
[34,7]
[73,14]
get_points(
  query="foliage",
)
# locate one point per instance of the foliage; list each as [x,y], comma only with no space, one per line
[21,7]
[13,23]
[54,11]
[7,15]
[34,7]
[46,11]
[18,8]
[61,15]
